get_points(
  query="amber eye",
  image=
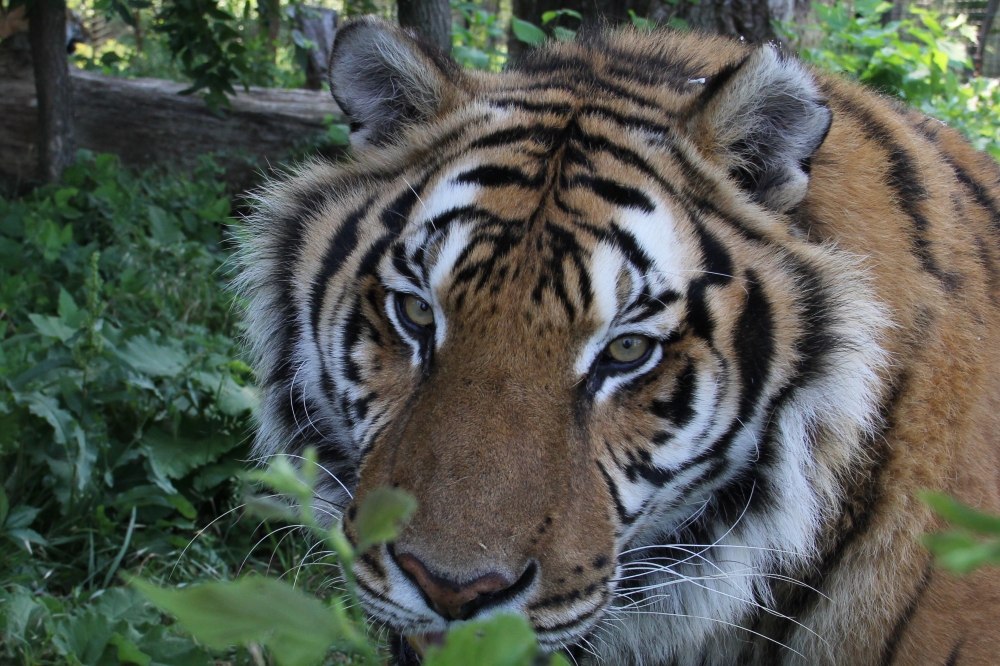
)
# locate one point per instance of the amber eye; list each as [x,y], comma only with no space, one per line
[417,310]
[628,348]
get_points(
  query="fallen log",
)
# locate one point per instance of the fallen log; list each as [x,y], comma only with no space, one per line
[146,123]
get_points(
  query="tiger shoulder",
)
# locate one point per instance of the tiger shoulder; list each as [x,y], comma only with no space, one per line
[665,333]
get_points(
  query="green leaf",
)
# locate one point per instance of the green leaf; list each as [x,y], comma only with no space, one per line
[170,650]
[338,135]
[269,508]
[380,514]
[549,16]
[563,34]
[175,457]
[113,569]
[641,23]
[234,399]
[82,636]
[124,603]
[129,652]
[678,23]
[155,360]
[24,537]
[960,553]
[559,660]
[281,475]
[62,422]
[52,327]
[296,627]
[4,506]
[960,515]
[529,33]
[163,228]
[505,640]
[21,516]
[68,312]
[17,606]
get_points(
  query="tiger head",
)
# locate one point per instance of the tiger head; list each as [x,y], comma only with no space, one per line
[569,308]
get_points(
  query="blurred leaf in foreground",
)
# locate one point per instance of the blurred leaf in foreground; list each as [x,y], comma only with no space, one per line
[380,514]
[977,542]
[297,628]
[506,640]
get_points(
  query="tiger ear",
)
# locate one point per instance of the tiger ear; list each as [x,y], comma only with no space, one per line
[384,79]
[765,118]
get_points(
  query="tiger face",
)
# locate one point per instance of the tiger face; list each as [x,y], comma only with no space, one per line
[569,309]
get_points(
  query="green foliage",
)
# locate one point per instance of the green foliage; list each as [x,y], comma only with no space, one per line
[123,409]
[380,514]
[477,38]
[201,35]
[922,59]
[214,45]
[504,641]
[529,33]
[297,628]
[974,543]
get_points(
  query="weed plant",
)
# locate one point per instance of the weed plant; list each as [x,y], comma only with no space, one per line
[124,407]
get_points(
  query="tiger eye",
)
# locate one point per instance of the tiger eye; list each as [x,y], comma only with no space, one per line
[417,310]
[628,348]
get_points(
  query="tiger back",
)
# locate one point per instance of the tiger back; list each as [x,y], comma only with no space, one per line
[664,333]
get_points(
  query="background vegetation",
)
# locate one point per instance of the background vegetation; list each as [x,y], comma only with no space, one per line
[124,407]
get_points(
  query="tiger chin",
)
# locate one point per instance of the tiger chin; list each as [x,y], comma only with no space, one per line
[664,332]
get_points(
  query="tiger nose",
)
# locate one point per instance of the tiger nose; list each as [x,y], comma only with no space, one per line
[455,601]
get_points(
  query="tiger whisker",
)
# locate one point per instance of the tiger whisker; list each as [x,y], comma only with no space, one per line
[755,604]
[274,552]
[202,531]
[264,538]
[315,462]
[723,622]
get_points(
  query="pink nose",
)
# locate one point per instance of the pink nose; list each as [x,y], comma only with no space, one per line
[449,599]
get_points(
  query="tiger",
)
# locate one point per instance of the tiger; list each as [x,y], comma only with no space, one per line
[664,332]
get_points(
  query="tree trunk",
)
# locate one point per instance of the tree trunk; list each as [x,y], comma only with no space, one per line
[984,32]
[47,34]
[147,123]
[750,19]
[269,14]
[430,18]
[747,19]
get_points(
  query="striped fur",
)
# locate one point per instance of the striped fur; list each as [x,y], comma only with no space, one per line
[816,266]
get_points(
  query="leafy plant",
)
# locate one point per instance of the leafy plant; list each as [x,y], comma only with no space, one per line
[477,37]
[922,59]
[975,542]
[529,33]
[297,628]
[123,409]
[201,35]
